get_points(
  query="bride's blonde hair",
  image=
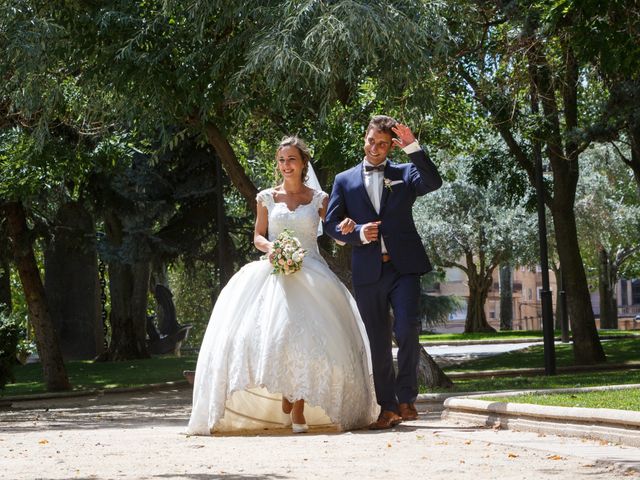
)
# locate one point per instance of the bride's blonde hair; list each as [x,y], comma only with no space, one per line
[305,154]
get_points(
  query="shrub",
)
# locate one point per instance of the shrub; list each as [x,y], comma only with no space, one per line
[9,337]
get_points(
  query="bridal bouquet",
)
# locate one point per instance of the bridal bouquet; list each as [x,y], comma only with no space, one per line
[287,254]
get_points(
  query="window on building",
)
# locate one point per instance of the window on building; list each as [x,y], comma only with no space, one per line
[635,291]
[539,293]
[624,297]
[455,275]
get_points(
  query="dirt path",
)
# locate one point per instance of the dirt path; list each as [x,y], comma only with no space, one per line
[140,436]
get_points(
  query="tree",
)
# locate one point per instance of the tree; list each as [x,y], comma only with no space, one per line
[33,105]
[469,227]
[55,374]
[608,210]
[605,36]
[216,66]
[525,75]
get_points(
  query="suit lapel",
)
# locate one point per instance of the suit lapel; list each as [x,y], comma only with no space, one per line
[388,172]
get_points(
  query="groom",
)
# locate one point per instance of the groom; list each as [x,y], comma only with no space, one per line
[387,257]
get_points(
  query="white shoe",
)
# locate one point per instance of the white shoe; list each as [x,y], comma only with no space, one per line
[299,427]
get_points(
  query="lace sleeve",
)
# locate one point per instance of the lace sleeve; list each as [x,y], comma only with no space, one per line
[265,197]
[318,198]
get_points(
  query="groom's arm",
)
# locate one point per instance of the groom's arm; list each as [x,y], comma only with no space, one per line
[425,177]
[336,212]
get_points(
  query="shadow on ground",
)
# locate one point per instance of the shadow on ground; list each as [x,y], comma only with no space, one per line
[126,410]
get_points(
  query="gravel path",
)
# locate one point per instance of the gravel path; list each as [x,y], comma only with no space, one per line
[140,436]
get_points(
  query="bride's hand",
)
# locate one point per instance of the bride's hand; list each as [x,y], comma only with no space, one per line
[347,226]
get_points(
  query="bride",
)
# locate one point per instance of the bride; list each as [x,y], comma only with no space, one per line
[284,350]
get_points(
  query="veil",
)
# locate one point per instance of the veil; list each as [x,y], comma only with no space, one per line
[312,182]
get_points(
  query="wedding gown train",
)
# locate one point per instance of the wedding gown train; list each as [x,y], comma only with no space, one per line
[297,335]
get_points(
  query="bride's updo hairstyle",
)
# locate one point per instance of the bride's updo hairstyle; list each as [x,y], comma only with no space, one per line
[305,154]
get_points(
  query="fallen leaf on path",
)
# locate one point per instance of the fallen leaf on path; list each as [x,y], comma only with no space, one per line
[555,457]
[512,455]
[468,442]
[43,442]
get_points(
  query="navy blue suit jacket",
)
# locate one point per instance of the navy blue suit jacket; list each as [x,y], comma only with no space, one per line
[349,198]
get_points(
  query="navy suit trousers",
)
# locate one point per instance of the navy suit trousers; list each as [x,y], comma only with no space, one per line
[402,293]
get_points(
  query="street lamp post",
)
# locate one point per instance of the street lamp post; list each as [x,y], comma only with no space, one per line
[545,293]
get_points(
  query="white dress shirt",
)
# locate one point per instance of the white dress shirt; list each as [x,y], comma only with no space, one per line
[373,182]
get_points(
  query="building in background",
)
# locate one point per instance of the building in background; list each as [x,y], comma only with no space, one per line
[527,308]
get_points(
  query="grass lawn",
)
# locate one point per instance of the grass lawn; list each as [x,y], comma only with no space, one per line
[617,399]
[617,351]
[570,380]
[509,335]
[87,375]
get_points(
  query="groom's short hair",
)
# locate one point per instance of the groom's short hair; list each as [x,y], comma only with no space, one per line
[383,123]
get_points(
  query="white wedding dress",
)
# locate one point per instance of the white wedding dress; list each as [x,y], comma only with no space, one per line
[298,335]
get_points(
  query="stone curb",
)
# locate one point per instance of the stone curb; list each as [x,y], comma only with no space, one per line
[617,426]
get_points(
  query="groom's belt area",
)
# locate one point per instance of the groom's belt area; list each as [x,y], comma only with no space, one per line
[386,258]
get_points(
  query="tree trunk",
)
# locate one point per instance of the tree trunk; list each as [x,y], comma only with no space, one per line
[128,288]
[429,372]
[5,285]
[54,372]
[479,285]
[608,305]
[231,165]
[634,138]
[223,243]
[72,285]
[5,268]
[613,299]
[128,291]
[557,321]
[339,260]
[563,153]
[506,297]
[587,349]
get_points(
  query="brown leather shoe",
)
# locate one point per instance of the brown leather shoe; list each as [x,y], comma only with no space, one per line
[386,419]
[408,411]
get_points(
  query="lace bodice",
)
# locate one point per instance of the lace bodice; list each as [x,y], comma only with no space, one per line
[303,220]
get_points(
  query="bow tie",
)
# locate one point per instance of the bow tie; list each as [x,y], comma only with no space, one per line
[376,168]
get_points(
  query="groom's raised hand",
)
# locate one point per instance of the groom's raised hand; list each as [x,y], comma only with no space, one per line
[405,135]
